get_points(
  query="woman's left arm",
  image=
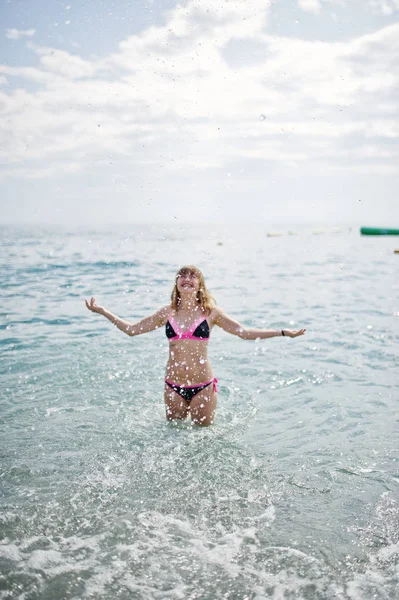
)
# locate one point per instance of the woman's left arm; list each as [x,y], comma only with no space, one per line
[245,333]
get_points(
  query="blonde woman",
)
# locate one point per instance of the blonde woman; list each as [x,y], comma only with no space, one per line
[190,385]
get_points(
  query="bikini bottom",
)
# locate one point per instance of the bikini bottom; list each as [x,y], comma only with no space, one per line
[187,392]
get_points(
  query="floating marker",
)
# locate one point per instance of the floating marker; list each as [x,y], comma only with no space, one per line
[378,231]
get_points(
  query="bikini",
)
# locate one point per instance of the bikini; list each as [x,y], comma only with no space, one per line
[198,330]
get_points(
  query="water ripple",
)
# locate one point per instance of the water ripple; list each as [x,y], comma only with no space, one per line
[292,493]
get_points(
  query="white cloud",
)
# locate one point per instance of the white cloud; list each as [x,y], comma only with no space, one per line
[17,34]
[386,7]
[29,74]
[312,6]
[65,64]
[171,99]
[40,172]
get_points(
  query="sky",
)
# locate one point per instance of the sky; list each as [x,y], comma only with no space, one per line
[274,111]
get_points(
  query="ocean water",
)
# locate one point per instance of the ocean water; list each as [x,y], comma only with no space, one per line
[293,493]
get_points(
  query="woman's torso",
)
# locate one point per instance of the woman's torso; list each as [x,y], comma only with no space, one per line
[188,362]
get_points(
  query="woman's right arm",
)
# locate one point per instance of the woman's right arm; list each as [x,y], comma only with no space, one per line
[144,326]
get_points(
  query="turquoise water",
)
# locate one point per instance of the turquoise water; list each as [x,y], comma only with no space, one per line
[292,494]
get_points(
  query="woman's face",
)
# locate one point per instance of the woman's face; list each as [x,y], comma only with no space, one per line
[187,283]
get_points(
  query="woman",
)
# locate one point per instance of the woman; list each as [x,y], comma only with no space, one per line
[190,385]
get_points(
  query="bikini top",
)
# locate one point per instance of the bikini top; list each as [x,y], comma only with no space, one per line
[198,330]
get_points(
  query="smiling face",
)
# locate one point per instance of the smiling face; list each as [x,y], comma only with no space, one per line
[190,283]
[187,282]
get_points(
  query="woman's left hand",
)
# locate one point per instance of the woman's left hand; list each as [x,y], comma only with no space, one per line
[291,333]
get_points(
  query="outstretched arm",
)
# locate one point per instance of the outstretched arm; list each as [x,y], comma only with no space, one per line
[144,326]
[246,333]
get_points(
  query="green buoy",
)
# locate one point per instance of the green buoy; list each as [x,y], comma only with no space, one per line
[378,231]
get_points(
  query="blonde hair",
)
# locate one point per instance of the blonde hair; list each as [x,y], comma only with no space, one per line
[204,298]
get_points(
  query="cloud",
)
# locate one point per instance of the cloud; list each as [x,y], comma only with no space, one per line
[65,64]
[172,98]
[17,34]
[386,7]
[312,6]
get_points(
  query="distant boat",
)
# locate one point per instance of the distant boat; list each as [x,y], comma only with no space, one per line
[378,231]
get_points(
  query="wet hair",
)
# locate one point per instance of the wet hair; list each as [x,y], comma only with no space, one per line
[204,298]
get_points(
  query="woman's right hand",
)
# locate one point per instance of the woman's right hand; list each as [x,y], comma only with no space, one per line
[93,306]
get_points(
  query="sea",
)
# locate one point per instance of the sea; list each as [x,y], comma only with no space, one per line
[291,494]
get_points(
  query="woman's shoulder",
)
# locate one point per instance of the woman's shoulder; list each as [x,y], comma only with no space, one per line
[214,313]
[165,312]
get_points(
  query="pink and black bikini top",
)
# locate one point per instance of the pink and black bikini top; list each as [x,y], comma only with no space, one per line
[198,330]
